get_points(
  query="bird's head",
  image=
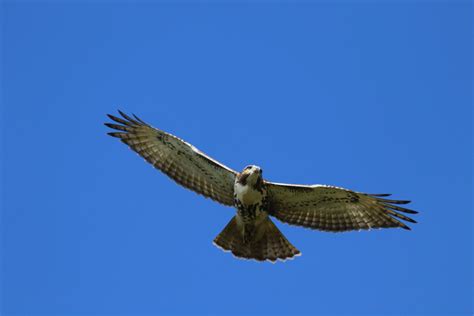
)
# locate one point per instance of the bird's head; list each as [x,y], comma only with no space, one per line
[251,175]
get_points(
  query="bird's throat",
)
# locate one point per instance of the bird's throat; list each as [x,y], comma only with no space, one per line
[247,194]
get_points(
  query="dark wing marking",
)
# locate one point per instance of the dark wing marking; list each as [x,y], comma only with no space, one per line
[181,161]
[334,209]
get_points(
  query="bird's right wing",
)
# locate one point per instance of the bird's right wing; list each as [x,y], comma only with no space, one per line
[181,161]
[334,209]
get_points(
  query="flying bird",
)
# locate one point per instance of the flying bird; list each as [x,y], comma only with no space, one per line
[251,234]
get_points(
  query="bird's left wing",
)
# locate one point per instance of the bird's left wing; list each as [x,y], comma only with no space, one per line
[178,159]
[334,209]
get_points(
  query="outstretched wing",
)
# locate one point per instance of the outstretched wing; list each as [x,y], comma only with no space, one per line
[181,161]
[334,209]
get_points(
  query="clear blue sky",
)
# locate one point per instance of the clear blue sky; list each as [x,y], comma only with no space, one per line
[376,98]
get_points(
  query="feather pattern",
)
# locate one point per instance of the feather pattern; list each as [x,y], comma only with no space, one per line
[178,159]
[334,209]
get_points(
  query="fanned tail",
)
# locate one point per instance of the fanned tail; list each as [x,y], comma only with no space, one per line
[266,242]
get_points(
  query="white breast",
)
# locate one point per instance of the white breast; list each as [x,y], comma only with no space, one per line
[246,194]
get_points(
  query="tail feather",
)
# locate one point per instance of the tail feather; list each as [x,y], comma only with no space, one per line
[267,242]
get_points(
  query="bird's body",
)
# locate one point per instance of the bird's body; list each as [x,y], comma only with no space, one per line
[250,194]
[251,234]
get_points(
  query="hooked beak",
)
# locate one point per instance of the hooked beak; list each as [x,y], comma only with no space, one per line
[243,177]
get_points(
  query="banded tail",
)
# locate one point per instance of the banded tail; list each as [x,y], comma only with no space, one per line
[266,243]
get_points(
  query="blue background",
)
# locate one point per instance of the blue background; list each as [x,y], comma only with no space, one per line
[376,98]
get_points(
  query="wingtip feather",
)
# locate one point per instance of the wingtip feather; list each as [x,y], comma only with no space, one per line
[110,116]
[111,125]
[139,120]
[401,209]
[115,134]
[125,116]
[394,201]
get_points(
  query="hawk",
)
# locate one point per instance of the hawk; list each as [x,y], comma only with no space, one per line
[251,234]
